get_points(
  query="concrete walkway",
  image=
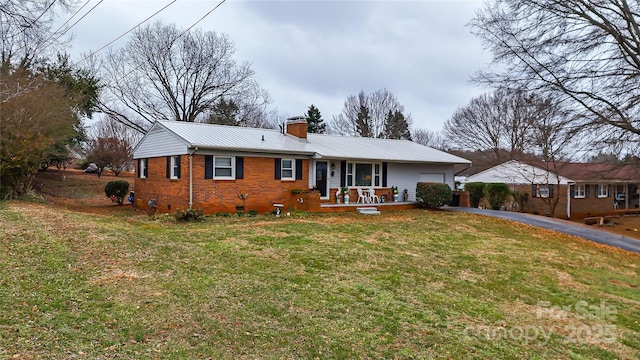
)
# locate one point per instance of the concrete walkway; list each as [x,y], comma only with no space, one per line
[563,226]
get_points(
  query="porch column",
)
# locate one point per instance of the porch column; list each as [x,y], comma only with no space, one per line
[627,197]
[568,201]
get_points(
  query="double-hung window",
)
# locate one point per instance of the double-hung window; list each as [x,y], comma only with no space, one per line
[602,191]
[287,170]
[543,191]
[142,168]
[223,167]
[173,167]
[579,191]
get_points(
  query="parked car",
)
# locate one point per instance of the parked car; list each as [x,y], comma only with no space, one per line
[92,168]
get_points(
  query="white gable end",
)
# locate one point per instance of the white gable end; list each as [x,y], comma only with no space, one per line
[160,142]
[515,172]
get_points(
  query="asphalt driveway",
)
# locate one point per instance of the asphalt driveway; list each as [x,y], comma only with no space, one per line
[563,226]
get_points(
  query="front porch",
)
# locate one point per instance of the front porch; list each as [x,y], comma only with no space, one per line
[390,206]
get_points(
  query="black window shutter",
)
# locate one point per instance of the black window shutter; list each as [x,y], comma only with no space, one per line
[608,190]
[208,166]
[343,173]
[550,191]
[573,192]
[139,167]
[597,190]
[586,191]
[239,167]
[146,168]
[168,167]
[533,191]
[277,162]
[384,174]
[298,169]
[178,166]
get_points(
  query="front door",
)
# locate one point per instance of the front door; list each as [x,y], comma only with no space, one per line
[321,178]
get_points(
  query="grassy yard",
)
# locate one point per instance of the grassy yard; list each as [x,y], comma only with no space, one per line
[404,285]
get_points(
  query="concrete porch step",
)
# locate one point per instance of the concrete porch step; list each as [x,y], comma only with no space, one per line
[368,210]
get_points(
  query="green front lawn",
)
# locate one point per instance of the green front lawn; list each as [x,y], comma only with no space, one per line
[407,285]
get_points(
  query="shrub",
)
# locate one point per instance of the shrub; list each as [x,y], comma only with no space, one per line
[117,190]
[189,215]
[521,199]
[433,195]
[253,213]
[496,194]
[476,192]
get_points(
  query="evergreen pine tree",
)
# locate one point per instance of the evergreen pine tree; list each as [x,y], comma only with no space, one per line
[396,126]
[224,112]
[363,122]
[315,124]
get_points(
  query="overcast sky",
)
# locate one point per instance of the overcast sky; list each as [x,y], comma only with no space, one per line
[320,52]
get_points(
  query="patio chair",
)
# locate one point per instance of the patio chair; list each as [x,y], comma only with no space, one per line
[373,198]
[362,197]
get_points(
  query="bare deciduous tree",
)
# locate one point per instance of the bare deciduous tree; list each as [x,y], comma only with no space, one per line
[429,138]
[584,53]
[365,114]
[498,121]
[111,145]
[164,73]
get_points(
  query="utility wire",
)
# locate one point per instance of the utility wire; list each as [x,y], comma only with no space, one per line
[173,41]
[179,36]
[125,33]
[46,42]
[71,17]
[83,16]
[202,18]
[27,26]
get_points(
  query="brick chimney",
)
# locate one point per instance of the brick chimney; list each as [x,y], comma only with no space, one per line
[297,126]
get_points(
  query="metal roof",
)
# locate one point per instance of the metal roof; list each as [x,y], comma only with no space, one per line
[331,146]
[221,137]
[209,136]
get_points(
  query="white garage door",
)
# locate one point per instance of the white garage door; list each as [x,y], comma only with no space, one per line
[435,178]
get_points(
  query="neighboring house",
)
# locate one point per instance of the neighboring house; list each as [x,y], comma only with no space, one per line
[182,165]
[580,189]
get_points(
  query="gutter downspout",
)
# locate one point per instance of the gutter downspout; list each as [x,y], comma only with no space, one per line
[191,178]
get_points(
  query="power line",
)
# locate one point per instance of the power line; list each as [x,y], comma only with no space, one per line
[71,17]
[46,42]
[28,26]
[83,16]
[173,41]
[202,18]
[126,32]
[179,36]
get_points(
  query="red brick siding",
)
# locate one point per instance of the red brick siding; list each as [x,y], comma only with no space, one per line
[170,194]
[580,208]
[298,129]
[218,195]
